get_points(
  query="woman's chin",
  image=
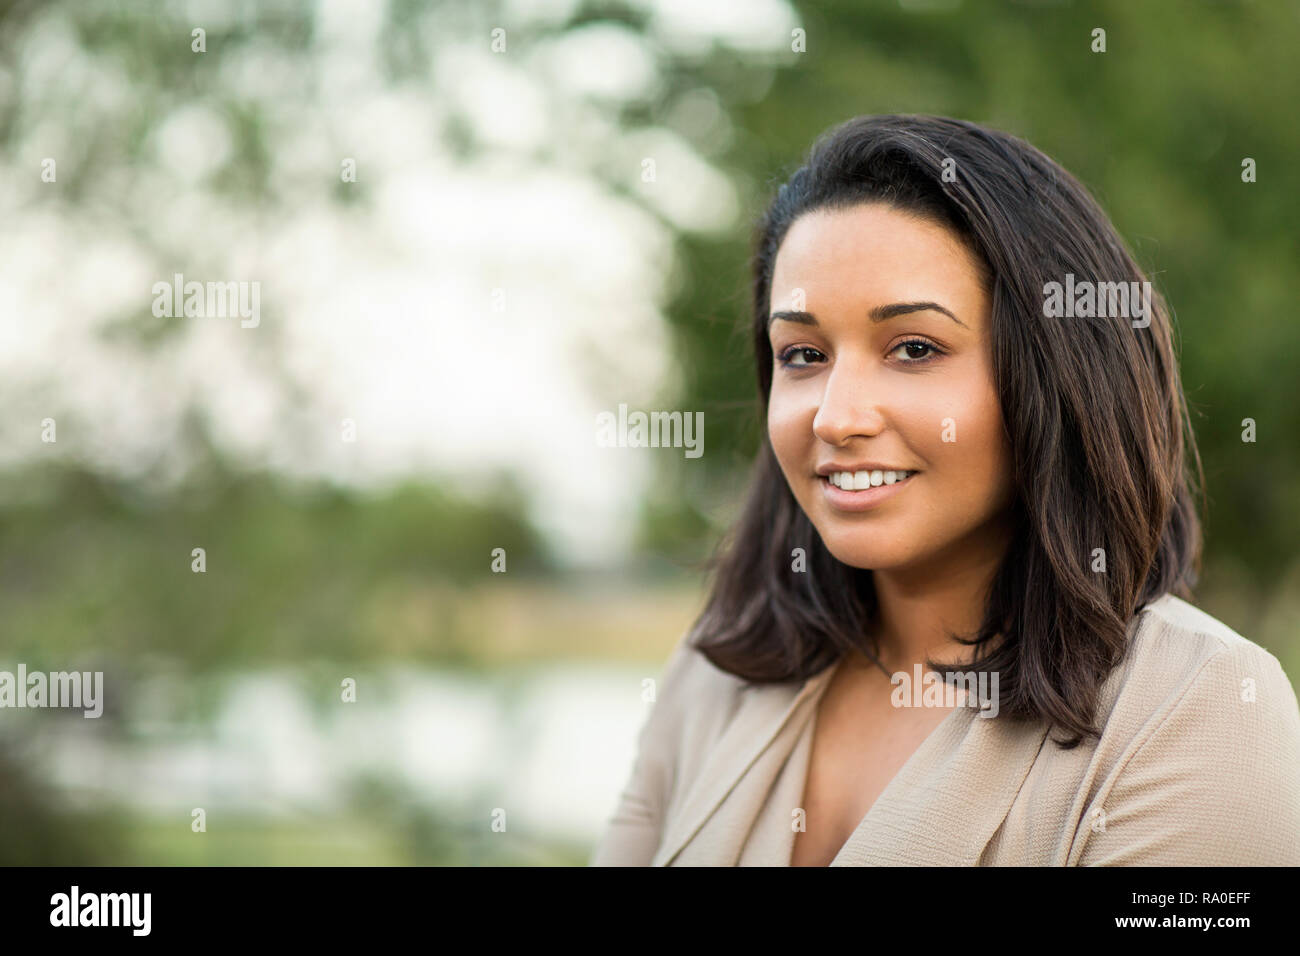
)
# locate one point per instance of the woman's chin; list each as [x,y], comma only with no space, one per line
[868,559]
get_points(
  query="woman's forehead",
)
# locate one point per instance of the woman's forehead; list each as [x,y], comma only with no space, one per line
[868,254]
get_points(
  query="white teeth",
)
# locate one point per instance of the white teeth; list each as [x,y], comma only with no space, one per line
[861,480]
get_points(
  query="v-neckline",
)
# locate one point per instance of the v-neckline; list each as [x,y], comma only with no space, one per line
[811,730]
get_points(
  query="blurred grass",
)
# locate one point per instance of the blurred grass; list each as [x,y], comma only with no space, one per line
[340,841]
[243,840]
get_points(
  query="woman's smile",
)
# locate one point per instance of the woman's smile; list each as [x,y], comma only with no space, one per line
[863,490]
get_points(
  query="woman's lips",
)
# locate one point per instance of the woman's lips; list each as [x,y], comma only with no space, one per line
[865,499]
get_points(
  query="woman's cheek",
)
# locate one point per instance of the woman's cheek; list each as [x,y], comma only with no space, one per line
[785,417]
[971,447]
[780,430]
[926,417]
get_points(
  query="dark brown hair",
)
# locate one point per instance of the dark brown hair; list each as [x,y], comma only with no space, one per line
[1102,451]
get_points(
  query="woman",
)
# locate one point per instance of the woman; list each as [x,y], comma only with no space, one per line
[977,465]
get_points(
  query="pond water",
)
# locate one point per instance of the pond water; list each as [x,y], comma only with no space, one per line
[552,746]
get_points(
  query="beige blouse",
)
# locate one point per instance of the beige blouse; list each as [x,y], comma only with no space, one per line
[1198,764]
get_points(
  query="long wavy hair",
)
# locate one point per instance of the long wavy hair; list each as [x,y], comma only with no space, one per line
[1102,450]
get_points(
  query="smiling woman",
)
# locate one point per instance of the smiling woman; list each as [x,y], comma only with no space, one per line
[881,353]
[954,478]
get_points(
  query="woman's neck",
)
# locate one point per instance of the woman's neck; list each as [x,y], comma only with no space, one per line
[918,607]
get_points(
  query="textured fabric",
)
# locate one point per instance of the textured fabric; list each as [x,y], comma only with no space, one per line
[1198,764]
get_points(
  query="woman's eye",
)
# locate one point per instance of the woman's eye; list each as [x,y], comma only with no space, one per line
[788,356]
[916,351]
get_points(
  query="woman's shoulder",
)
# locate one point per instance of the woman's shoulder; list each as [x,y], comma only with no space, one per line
[1177,648]
[1186,677]
[1172,613]
[692,695]
[1199,756]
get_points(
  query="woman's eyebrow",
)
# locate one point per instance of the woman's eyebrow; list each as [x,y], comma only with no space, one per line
[880,313]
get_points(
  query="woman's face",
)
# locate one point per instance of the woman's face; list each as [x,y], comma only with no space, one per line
[883,362]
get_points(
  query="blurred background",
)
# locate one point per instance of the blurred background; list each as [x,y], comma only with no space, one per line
[476,226]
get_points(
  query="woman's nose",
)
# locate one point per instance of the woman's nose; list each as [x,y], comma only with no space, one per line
[850,405]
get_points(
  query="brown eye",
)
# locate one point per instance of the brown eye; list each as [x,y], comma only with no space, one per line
[917,351]
[788,356]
